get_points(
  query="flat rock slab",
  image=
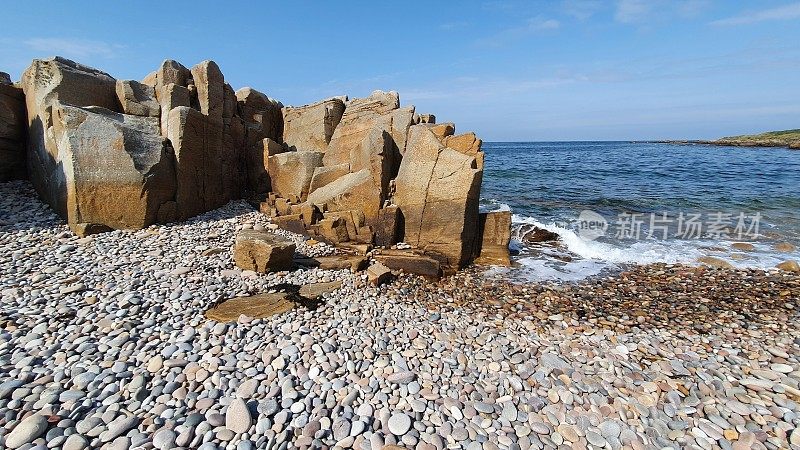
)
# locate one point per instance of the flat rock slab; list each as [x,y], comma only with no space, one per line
[255,306]
[410,262]
[317,290]
[355,263]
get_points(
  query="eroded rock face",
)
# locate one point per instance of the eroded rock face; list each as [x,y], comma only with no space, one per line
[310,127]
[91,165]
[122,154]
[12,131]
[137,99]
[198,145]
[290,173]
[117,170]
[494,238]
[442,219]
[352,191]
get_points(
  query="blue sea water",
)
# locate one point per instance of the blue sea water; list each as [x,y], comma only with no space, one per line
[660,202]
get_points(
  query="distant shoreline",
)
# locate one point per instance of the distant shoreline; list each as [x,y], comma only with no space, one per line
[726,143]
[786,139]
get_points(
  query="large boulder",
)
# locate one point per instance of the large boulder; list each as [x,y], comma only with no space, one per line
[290,173]
[137,99]
[12,131]
[60,164]
[437,190]
[352,191]
[115,169]
[261,251]
[326,174]
[170,72]
[210,89]
[198,144]
[262,113]
[360,117]
[257,164]
[494,236]
[171,96]
[311,127]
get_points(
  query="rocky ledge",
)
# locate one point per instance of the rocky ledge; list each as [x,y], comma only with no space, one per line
[109,154]
[104,344]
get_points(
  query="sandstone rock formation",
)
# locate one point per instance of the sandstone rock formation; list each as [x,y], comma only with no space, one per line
[441,219]
[310,127]
[12,130]
[110,154]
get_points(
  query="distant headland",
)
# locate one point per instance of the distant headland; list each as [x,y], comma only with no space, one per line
[785,138]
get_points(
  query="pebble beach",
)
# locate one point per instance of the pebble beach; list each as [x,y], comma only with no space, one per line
[103,344]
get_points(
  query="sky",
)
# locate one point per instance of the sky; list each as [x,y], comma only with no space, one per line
[508,70]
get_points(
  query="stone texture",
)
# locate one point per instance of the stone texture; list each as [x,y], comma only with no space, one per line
[443,218]
[12,133]
[310,127]
[494,233]
[261,113]
[26,431]
[355,263]
[137,99]
[789,266]
[46,83]
[410,262]
[210,89]
[256,306]
[378,274]
[261,251]
[170,72]
[238,417]
[200,162]
[387,226]
[117,170]
[290,173]
[257,164]
[171,96]
[326,174]
[352,191]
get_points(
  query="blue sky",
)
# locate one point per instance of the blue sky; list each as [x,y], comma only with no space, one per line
[526,70]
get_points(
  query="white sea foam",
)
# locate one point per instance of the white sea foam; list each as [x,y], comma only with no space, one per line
[589,258]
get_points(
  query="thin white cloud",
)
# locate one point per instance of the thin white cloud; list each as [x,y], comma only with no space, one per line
[537,24]
[632,11]
[449,26]
[71,47]
[786,12]
[534,25]
[581,9]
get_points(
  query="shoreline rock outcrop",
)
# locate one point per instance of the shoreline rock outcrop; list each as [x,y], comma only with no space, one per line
[12,130]
[125,154]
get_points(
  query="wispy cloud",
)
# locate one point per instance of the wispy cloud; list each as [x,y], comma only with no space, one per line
[581,9]
[450,26]
[638,12]
[632,11]
[786,12]
[533,25]
[71,47]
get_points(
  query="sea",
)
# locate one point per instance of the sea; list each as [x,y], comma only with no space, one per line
[618,204]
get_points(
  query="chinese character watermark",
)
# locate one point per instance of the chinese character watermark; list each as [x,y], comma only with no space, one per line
[653,226]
